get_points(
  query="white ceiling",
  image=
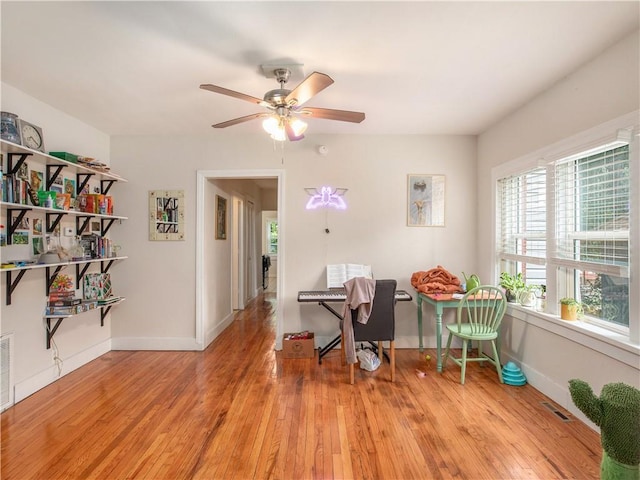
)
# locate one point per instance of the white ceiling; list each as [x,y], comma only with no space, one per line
[415,67]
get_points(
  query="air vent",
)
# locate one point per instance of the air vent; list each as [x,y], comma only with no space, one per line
[6,371]
[556,412]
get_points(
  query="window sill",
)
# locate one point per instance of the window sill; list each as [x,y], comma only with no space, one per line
[608,343]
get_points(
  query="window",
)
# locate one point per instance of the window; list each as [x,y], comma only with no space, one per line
[567,224]
[592,193]
[523,225]
[272,237]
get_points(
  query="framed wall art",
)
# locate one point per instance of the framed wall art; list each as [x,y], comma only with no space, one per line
[221,218]
[425,200]
[166,215]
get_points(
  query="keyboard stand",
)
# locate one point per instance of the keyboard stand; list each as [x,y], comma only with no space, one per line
[333,343]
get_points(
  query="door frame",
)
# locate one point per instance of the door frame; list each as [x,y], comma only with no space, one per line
[203,210]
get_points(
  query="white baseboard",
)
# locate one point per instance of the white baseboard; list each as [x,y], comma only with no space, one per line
[155,343]
[212,333]
[40,380]
[558,393]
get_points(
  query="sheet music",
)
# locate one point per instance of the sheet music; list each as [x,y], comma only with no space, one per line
[339,273]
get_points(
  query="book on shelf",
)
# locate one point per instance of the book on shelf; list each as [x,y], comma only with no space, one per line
[109,300]
[83,306]
[63,302]
[61,293]
[97,286]
[339,273]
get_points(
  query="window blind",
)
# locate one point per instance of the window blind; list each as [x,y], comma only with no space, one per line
[592,195]
[522,217]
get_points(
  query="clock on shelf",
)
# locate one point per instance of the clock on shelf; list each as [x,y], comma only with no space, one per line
[31,135]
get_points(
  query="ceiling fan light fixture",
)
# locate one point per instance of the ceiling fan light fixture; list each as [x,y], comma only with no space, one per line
[279,136]
[298,126]
[272,125]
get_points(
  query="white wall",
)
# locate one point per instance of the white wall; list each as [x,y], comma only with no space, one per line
[81,338]
[603,89]
[372,230]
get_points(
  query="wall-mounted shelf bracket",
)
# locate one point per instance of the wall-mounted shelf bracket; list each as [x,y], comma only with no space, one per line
[14,222]
[53,171]
[104,269]
[105,186]
[50,226]
[12,284]
[81,269]
[82,180]
[81,224]
[104,311]
[52,331]
[106,225]
[22,157]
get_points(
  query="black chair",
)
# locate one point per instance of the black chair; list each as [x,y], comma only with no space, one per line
[381,325]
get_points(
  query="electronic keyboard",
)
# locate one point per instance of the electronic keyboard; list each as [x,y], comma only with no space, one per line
[340,295]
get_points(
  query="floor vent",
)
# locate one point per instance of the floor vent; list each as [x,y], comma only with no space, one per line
[555,411]
[6,371]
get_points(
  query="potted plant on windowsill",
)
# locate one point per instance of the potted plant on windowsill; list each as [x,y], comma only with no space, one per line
[570,308]
[512,285]
[527,295]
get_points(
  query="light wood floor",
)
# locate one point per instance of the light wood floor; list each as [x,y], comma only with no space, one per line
[239,411]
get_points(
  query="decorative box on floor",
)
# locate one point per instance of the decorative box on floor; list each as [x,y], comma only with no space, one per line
[298,345]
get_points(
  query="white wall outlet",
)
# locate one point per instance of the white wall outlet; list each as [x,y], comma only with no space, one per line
[68,231]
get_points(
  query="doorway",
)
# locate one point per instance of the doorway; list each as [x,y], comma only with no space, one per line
[242,270]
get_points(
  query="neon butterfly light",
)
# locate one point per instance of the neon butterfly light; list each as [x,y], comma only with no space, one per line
[326,197]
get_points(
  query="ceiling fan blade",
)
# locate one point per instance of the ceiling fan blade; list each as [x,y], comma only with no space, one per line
[330,114]
[310,86]
[234,94]
[238,120]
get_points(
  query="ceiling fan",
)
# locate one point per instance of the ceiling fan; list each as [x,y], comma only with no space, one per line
[283,121]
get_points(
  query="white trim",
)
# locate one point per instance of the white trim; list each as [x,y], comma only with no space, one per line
[155,343]
[608,343]
[46,377]
[202,176]
[621,130]
[604,133]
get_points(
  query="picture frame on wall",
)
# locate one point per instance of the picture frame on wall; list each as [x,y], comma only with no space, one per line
[166,215]
[221,218]
[425,200]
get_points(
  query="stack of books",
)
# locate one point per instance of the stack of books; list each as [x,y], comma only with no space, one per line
[66,303]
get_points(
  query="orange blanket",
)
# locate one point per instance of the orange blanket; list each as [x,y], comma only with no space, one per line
[436,280]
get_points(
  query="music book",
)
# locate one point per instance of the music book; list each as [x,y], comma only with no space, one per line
[339,273]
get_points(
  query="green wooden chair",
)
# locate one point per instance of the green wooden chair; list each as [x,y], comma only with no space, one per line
[479,316]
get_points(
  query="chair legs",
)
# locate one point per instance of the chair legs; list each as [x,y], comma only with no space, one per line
[462,362]
[392,361]
[446,353]
[392,348]
[496,360]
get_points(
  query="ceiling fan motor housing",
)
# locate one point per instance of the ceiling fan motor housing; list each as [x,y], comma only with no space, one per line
[277,97]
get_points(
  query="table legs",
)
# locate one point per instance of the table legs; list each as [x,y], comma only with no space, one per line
[438,308]
[439,338]
[419,302]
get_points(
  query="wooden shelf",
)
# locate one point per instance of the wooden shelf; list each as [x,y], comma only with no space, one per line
[59,317]
[46,159]
[12,282]
[21,206]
